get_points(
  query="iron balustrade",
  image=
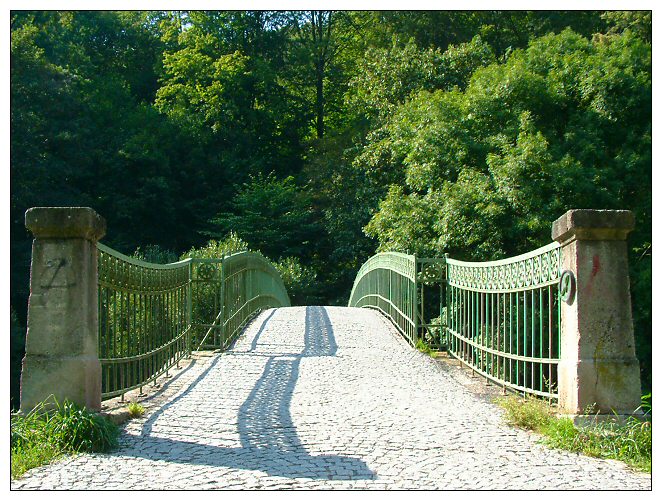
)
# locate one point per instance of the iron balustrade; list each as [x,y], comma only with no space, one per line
[152,315]
[248,283]
[501,318]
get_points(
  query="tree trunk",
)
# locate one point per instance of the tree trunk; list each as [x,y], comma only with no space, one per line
[319,101]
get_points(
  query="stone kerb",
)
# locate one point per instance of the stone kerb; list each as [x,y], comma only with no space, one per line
[598,367]
[61,347]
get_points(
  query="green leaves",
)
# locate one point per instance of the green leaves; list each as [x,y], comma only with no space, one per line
[473,129]
[482,170]
[54,428]
[516,148]
[272,215]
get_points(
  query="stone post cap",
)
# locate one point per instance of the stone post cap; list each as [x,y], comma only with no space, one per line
[65,222]
[592,224]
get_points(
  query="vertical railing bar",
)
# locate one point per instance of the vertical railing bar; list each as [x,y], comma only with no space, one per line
[541,343]
[189,308]
[550,306]
[482,305]
[526,336]
[533,338]
[510,337]
[517,336]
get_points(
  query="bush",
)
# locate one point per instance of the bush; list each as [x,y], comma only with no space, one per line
[155,254]
[530,414]
[135,409]
[76,429]
[299,280]
[216,249]
[424,347]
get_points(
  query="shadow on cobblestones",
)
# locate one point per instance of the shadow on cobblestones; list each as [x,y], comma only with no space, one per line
[269,439]
[260,330]
[319,340]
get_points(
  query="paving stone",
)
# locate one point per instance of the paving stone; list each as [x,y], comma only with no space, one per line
[325,398]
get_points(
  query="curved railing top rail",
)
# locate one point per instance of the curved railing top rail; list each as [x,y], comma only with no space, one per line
[262,263]
[509,260]
[250,254]
[140,262]
[184,262]
[534,269]
[387,260]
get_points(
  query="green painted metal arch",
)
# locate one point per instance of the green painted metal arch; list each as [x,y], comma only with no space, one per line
[503,319]
[104,249]
[256,261]
[250,284]
[387,282]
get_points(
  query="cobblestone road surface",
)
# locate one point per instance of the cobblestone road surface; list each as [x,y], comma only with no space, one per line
[326,398]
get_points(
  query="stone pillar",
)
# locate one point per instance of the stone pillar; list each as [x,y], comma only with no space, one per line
[598,366]
[61,346]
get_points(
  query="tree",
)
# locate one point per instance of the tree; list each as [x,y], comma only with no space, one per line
[271,215]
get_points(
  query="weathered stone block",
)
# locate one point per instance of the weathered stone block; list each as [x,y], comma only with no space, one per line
[61,348]
[598,364]
[65,222]
[592,224]
[75,378]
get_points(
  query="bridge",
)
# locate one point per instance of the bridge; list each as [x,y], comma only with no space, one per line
[330,397]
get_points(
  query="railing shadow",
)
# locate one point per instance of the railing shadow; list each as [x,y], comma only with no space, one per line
[261,330]
[268,436]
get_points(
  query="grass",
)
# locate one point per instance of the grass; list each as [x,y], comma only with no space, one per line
[629,442]
[53,429]
[423,347]
[135,409]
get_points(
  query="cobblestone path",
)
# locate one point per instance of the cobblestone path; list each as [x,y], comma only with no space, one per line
[322,398]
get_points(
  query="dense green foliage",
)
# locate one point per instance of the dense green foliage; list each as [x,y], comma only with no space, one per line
[319,137]
[52,429]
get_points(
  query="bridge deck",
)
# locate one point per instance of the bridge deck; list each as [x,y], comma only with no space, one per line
[326,397]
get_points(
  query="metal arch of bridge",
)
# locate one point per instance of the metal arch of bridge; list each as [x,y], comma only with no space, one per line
[152,315]
[395,284]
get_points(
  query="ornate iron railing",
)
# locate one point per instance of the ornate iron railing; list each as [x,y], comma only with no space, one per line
[151,315]
[502,319]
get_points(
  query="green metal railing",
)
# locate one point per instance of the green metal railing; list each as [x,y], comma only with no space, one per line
[241,285]
[501,318]
[151,315]
[388,283]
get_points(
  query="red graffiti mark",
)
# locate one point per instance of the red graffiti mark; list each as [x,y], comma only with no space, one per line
[594,271]
[596,266]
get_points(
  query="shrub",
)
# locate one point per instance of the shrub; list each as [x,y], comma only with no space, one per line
[530,414]
[76,429]
[299,280]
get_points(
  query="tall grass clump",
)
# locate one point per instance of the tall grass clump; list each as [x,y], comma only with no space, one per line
[52,429]
[629,441]
[135,409]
